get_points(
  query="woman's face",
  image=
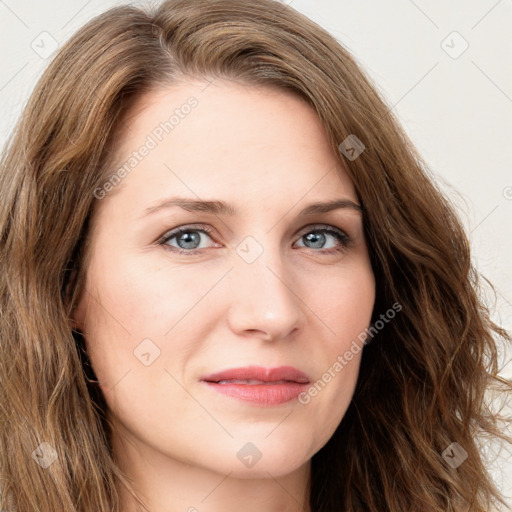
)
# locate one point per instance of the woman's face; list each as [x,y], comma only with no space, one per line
[264,285]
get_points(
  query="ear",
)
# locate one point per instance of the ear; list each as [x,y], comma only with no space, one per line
[77,317]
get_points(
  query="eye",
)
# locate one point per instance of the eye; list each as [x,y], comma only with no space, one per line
[188,239]
[319,235]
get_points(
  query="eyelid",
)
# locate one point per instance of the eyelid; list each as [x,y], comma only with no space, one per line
[185,227]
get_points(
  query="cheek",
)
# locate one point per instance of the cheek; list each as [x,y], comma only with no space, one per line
[344,302]
[345,307]
[142,319]
[148,299]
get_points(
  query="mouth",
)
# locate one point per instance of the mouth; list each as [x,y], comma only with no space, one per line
[251,382]
[258,375]
[262,386]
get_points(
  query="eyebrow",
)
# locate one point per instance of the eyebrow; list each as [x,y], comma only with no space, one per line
[217,207]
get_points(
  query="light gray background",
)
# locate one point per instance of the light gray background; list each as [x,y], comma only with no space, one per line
[455,104]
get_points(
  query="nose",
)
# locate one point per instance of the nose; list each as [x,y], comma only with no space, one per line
[263,300]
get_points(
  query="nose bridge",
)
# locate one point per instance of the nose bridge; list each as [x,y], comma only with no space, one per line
[262,296]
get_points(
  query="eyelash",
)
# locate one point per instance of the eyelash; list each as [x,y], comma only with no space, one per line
[341,236]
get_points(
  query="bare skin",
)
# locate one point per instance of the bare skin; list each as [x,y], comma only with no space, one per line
[264,151]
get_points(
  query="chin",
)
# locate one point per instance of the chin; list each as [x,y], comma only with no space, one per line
[258,459]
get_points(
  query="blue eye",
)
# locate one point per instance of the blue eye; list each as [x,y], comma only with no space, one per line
[188,239]
[187,236]
[318,237]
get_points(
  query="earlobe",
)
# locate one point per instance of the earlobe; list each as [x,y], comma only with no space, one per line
[74,323]
[75,317]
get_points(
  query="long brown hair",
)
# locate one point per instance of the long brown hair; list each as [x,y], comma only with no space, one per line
[424,377]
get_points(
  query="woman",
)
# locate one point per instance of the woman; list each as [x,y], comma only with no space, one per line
[164,346]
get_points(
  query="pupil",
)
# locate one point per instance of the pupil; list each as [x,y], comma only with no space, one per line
[189,238]
[316,238]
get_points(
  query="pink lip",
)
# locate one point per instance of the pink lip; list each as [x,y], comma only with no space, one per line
[260,373]
[264,394]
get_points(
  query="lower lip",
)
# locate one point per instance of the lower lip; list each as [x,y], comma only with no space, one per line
[264,394]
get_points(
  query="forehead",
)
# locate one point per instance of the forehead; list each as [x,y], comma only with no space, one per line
[226,140]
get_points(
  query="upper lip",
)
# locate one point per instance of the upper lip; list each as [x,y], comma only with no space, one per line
[287,373]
